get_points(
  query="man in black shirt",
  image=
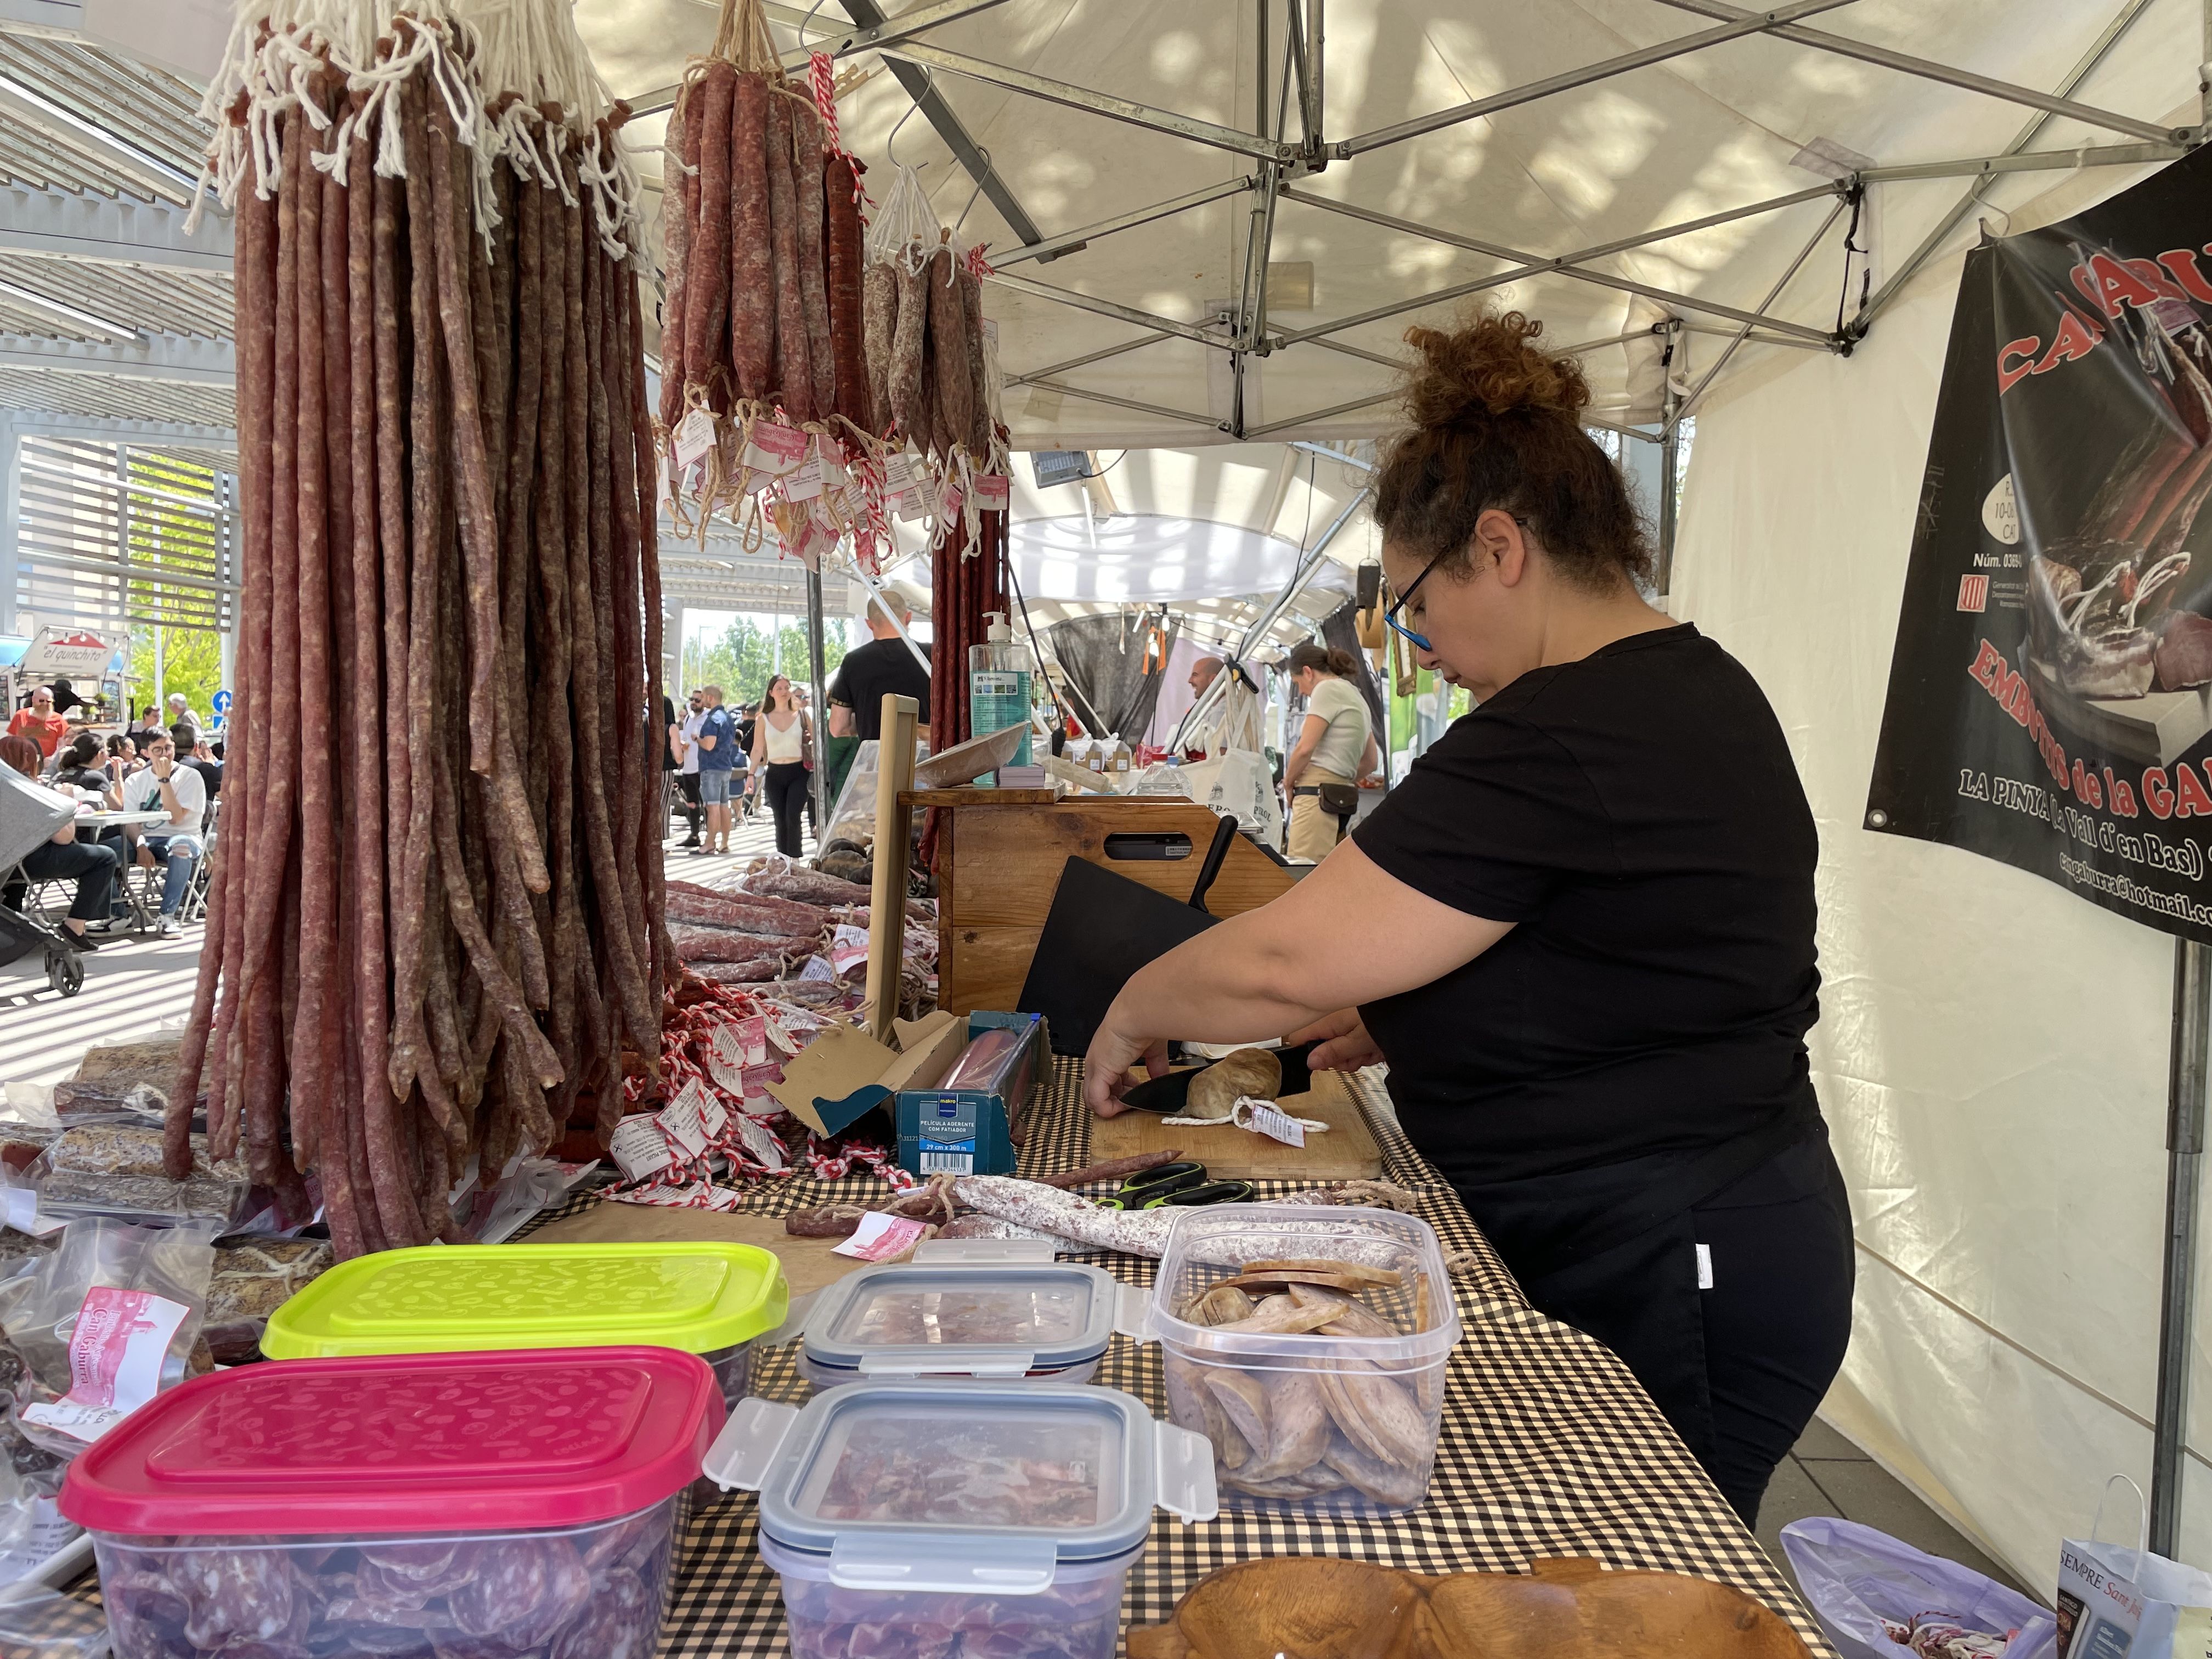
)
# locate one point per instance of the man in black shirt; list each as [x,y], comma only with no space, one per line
[884,664]
[193,751]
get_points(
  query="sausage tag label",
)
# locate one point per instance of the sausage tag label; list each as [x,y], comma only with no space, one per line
[694,436]
[879,1237]
[992,492]
[115,1361]
[640,1150]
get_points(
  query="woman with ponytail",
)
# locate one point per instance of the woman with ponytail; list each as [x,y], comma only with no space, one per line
[1580,931]
[1335,748]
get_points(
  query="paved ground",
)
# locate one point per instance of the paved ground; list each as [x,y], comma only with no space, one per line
[134,984]
[1826,1474]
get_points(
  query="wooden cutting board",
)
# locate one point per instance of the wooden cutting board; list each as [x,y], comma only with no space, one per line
[1346,1151]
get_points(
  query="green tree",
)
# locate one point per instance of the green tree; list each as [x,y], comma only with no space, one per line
[743,657]
[191,662]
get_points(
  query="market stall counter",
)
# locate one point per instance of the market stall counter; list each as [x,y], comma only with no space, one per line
[1546,1447]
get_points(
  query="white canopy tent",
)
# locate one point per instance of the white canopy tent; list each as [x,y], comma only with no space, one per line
[1198,279]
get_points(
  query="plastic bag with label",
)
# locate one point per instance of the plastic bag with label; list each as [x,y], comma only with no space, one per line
[103,1324]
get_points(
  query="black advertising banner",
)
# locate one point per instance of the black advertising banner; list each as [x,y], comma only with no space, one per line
[2050,701]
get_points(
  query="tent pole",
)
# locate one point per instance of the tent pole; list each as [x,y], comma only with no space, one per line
[1670,460]
[2185,1149]
[1773,294]
[817,780]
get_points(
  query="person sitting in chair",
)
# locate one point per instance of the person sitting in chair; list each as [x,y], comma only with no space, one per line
[169,785]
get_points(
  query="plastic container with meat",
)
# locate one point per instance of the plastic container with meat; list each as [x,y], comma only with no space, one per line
[466,1506]
[990,1517]
[1045,1320]
[711,1299]
[1309,1345]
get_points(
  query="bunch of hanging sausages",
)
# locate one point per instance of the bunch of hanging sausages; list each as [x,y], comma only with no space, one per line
[761,230]
[926,373]
[436,912]
[770,299]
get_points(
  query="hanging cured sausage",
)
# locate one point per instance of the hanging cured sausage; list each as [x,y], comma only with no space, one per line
[436,910]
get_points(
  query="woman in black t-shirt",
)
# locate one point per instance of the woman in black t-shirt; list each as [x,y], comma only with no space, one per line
[1580,931]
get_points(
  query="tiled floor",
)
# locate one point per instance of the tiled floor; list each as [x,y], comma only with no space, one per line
[1826,1474]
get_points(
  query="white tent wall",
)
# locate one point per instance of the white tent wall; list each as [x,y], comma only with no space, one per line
[1992,1055]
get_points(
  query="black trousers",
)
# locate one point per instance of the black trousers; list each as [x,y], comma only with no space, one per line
[93,865]
[687,785]
[1738,1367]
[786,798]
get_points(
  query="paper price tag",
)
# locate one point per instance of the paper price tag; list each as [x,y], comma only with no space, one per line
[759,1143]
[817,968]
[115,1356]
[639,1149]
[805,481]
[779,1036]
[833,470]
[714,1115]
[23,1213]
[1275,1126]
[849,946]
[952,500]
[993,490]
[879,1237]
[684,1121]
[729,1076]
[898,473]
[694,436]
[775,450]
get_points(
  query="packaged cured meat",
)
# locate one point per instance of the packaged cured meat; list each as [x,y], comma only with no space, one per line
[252,1279]
[113,1167]
[1045,1320]
[448,1504]
[1309,1350]
[990,1518]
[709,1299]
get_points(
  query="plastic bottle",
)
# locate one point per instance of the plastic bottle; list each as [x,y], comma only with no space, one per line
[1000,674]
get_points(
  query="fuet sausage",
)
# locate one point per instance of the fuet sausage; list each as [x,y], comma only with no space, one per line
[912,401]
[752,252]
[813,252]
[706,284]
[847,329]
[794,377]
[679,154]
[979,372]
[879,315]
[948,347]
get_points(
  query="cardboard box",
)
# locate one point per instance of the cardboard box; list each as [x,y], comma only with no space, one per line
[844,1074]
[972,1131]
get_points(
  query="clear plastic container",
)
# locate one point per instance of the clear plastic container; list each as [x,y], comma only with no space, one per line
[448,1504]
[713,1300]
[1045,1320]
[1337,1420]
[904,1518]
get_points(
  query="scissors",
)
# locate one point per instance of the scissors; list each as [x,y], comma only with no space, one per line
[1177,1184]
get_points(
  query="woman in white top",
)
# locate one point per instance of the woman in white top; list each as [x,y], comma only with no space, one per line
[1335,747]
[783,748]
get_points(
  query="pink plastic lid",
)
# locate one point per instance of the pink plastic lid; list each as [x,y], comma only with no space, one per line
[388,1445]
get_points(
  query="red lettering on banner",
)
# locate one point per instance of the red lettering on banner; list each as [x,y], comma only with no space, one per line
[2108,284]
[2157,795]
[2077,337]
[2086,789]
[2181,262]
[2123,799]
[2025,350]
[1989,663]
[2190,799]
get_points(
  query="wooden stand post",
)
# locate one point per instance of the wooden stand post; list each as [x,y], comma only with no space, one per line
[894,830]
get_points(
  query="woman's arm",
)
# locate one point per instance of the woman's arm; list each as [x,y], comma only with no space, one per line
[1371,760]
[1309,737]
[760,740]
[1347,933]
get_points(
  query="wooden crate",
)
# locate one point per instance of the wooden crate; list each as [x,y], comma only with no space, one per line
[998,865]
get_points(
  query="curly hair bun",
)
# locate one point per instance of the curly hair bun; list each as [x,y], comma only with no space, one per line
[1488,365]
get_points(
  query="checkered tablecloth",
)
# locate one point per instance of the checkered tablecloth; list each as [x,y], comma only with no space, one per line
[1548,1447]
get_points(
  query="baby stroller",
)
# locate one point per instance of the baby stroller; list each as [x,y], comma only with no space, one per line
[29,815]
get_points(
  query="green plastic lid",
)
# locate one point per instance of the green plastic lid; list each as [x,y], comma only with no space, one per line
[456,1298]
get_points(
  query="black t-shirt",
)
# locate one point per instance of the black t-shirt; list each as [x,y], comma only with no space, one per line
[1637,816]
[211,774]
[869,671]
[667,719]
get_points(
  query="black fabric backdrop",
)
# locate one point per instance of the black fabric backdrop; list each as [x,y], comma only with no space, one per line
[1113,678]
[2049,700]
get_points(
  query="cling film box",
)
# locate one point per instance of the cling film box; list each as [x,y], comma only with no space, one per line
[965,1123]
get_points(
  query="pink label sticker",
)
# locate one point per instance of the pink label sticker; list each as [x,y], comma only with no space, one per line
[879,1237]
[775,448]
[993,490]
[116,1352]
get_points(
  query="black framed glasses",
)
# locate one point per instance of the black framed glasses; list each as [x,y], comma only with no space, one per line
[1420,641]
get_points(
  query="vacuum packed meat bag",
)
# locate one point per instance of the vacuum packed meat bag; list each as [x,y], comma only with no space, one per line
[113,1168]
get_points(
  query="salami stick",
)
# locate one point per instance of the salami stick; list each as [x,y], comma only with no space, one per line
[621,600]
[855,399]
[706,283]
[912,399]
[256,277]
[649,555]
[980,432]
[678,195]
[879,317]
[948,344]
[320,252]
[813,250]
[794,378]
[752,253]
[638,1008]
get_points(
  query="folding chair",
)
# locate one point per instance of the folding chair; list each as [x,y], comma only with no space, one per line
[194,907]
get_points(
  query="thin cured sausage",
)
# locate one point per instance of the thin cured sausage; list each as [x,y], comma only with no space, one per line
[855,400]
[813,252]
[794,378]
[752,256]
[707,285]
[879,317]
[948,352]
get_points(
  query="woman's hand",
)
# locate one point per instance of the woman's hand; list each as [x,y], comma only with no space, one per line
[1342,1039]
[1106,1068]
